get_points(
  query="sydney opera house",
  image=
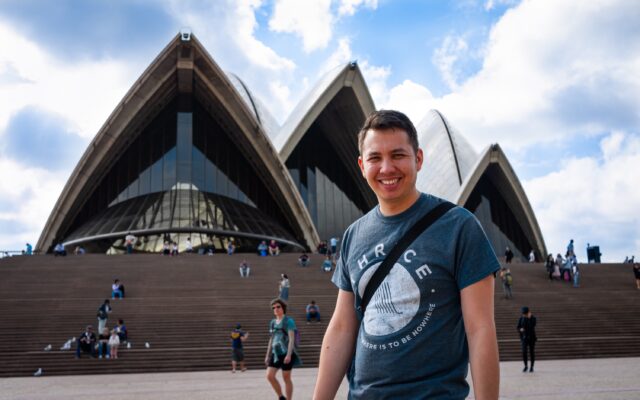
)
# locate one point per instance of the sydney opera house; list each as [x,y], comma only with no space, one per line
[191,152]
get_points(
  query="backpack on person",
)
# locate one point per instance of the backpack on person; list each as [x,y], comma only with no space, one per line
[296,333]
[509,278]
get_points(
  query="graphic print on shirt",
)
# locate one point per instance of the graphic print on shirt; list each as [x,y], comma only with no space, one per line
[383,300]
[394,304]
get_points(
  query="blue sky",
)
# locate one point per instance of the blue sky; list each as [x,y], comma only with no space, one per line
[556,84]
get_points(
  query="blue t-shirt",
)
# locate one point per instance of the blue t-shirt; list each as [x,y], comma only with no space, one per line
[411,343]
[280,336]
[236,338]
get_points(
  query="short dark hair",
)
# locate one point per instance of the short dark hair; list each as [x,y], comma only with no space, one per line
[281,302]
[388,119]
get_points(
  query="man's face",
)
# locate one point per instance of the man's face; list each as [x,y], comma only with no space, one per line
[390,166]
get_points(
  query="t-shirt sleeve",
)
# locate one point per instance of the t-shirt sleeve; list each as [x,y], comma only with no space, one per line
[475,258]
[291,324]
[341,276]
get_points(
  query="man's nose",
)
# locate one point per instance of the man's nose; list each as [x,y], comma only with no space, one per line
[386,165]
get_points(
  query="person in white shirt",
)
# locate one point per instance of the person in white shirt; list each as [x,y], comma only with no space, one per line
[117,289]
[114,343]
[129,241]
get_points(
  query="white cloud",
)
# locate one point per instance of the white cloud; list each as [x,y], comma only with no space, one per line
[576,75]
[28,195]
[227,29]
[281,93]
[593,200]
[446,56]
[232,41]
[310,20]
[612,145]
[349,7]
[376,77]
[73,91]
[80,94]
[491,4]
[411,98]
[340,56]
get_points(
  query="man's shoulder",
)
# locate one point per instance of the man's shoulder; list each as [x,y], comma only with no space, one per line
[459,219]
[365,219]
[356,226]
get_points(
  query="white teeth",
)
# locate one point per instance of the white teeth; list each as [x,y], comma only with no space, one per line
[390,181]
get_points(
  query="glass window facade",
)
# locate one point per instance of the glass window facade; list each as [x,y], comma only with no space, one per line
[182,175]
[498,219]
[327,185]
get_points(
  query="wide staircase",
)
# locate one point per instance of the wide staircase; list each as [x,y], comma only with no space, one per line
[185,307]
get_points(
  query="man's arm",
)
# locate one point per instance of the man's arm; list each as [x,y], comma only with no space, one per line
[477,311]
[337,347]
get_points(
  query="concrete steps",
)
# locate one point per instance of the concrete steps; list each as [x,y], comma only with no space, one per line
[186,306]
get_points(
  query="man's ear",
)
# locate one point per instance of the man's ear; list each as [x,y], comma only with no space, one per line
[419,159]
[361,165]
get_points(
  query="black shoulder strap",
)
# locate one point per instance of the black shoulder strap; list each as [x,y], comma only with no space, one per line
[383,270]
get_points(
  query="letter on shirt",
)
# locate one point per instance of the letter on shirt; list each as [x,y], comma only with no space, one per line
[379,250]
[423,271]
[406,255]
[363,262]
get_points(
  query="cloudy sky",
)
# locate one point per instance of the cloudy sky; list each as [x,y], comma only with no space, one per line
[556,83]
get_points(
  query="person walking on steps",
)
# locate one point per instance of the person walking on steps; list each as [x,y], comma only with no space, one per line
[103,314]
[528,338]
[507,281]
[508,255]
[283,287]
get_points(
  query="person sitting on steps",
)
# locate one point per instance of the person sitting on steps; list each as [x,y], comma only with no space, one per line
[245,269]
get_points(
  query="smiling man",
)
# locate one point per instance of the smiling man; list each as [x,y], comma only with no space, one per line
[432,315]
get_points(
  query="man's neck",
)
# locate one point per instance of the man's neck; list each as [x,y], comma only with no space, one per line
[389,209]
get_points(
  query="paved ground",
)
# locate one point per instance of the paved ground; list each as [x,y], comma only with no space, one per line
[553,380]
